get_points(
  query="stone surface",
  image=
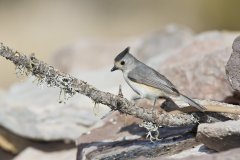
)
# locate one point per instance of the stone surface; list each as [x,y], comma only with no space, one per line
[120,137]
[233,154]
[232,67]
[32,153]
[32,112]
[198,70]
[220,136]
[199,150]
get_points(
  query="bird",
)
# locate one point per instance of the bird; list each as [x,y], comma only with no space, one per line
[147,82]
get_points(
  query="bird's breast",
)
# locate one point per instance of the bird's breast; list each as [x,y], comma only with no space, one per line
[144,90]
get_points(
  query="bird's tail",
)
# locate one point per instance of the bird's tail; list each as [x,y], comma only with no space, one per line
[192,103]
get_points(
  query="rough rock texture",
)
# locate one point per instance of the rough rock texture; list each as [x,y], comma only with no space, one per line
[198,70]
[233,66]
[220,136]
[121,137]
[32,153]
[199,150]
[232,154]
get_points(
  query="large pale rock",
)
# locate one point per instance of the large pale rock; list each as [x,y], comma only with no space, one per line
[233,66]
[34,112]
[220,136]
[198,70]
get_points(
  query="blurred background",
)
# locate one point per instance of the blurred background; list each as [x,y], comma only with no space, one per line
[188,40]
[45,26]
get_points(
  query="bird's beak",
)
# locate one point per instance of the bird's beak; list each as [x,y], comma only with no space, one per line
[114,68]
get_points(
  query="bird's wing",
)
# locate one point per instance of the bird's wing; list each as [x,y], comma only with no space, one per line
[145,75]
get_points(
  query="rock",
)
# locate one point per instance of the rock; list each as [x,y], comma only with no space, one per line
[32,112]
[220,136]
[232,154]
[32,153]
[120,137]
[11,142]
[199,150]
[232,67]
[5,155]
[198,69]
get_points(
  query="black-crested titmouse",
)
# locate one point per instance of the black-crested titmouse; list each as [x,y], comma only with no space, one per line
[147,82]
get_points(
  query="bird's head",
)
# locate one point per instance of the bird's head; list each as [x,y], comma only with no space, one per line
[124,61]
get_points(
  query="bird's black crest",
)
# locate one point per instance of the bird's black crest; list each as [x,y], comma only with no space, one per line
[122,54]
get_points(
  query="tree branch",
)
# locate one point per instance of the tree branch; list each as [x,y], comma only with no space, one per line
[70,86]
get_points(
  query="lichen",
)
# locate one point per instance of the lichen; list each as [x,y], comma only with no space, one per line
[96,109]
[194,119]
[21,71]
[153,133]
[64,95]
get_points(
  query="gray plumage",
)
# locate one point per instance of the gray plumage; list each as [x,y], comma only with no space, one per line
[148,76]
[146,81]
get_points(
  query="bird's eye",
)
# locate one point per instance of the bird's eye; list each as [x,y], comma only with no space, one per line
[122,63]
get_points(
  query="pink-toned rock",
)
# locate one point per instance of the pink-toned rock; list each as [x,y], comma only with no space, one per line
[220,136]
[198,70]
[120,137]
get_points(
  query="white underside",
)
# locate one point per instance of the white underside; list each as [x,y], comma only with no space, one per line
[143,90]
